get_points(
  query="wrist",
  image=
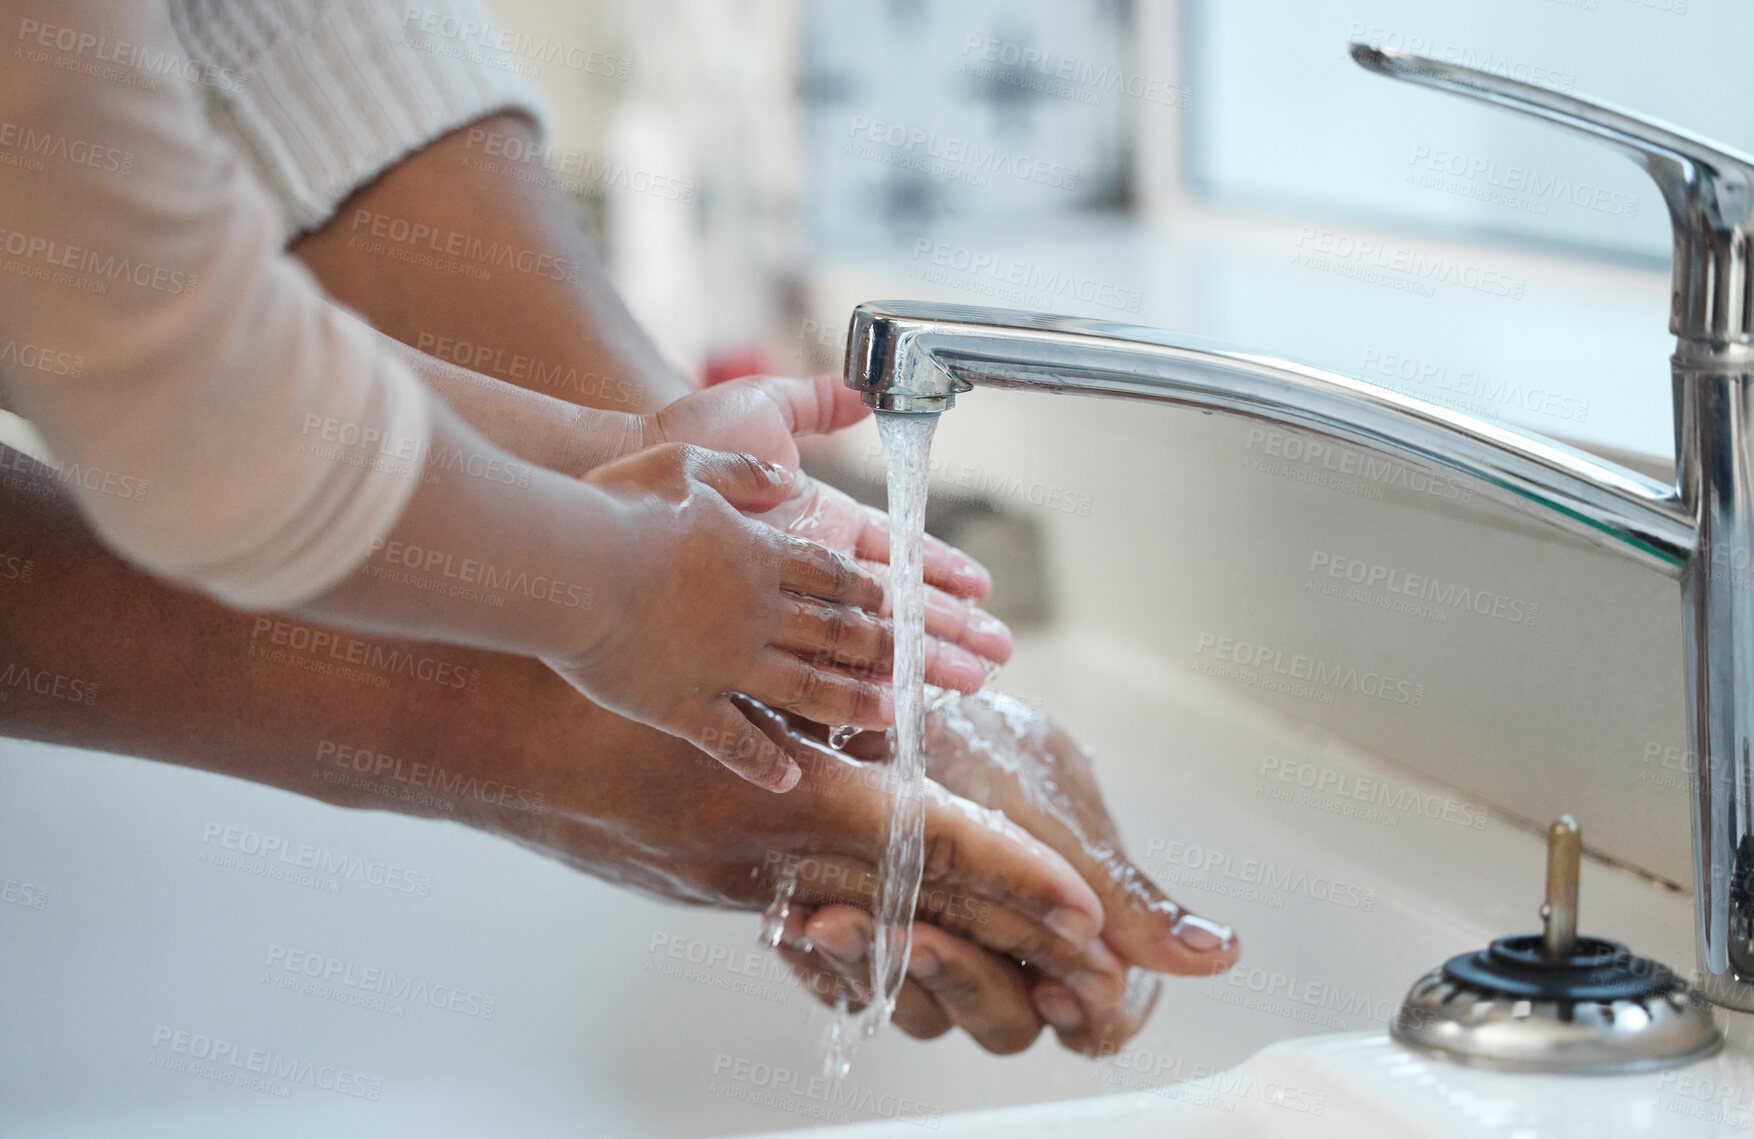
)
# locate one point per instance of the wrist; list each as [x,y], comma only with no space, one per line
[594,540]
[593,438]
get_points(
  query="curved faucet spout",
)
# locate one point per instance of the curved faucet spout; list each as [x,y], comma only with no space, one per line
[907,356]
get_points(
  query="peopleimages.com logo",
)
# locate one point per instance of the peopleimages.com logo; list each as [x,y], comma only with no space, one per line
[950,157]
[261,852]
[1310,670]
[260,1069]
[1309,784]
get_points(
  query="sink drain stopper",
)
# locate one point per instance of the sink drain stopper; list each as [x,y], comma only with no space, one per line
[1557,1002]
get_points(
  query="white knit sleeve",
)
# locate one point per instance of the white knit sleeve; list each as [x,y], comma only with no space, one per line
[224,425]
[333,92]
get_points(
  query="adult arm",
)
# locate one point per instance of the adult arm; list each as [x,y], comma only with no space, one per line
[95,654]
[563,331]
[295,705]
[407,154]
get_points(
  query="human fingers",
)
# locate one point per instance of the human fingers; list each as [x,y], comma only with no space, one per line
[829,979]
[961,623]
[815,405]
[980,869]
[727,735]
[838,634]
[952,981]
[942,565]
[813,570]
[864,644]
[746,482]
[786,681]
[1096,1029]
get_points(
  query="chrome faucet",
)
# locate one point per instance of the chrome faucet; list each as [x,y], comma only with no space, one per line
[915,358]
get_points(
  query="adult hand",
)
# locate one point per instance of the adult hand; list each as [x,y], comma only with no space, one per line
[646,811]
[538,765]
[1003,754]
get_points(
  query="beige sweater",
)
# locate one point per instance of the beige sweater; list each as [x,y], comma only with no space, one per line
[340,90]
[221,423]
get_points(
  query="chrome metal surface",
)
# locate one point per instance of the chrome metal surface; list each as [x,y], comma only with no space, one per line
[1559,911]
[906,355]
[1557,1002]
[1708,188]
[912,357]
[1509,1033]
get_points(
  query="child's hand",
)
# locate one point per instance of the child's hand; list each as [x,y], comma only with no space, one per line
[705,602]
[963,641]
[763,415]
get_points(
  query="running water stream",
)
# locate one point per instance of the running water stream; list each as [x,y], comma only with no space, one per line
[907,447]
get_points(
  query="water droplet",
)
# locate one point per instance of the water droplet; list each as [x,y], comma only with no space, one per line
[773,919]
[841,737]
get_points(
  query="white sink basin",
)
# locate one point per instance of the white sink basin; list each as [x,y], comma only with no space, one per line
[1447,883]
[1363,1086]
[598,1030]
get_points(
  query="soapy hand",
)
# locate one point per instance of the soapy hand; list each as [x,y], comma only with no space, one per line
[1001,753]
[702,603]
[658,816]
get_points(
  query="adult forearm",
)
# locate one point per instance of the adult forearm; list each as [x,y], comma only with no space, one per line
[96,654]
[452,252]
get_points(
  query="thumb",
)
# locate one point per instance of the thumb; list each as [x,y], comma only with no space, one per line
[813,406]
[752,485]
[1145,927]
[732,739]
[822,404]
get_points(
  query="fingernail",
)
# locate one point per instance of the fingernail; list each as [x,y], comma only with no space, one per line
[1200,935]
[923,962]
[838,942]
[984,624]
[1101,989]
[971,573]
[1073,925]
[954,656]
[776,474]
[789,778]
[1059,1010]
